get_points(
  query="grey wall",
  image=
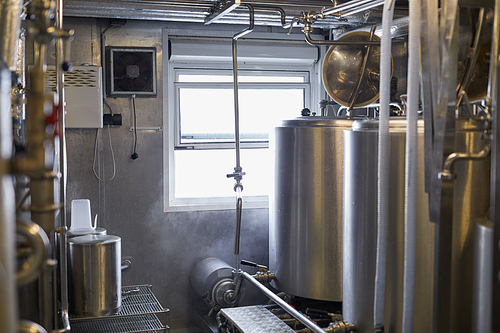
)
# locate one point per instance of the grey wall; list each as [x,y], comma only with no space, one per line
[164,247]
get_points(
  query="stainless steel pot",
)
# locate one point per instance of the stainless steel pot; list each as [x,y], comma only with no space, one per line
[94,275]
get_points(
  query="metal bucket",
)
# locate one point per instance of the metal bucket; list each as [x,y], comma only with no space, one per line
[94,275]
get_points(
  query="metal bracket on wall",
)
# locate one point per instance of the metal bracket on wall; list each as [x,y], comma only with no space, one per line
[146,128]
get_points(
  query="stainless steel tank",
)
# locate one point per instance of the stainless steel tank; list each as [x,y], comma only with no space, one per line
[94,275]
[305,229]
[360,228]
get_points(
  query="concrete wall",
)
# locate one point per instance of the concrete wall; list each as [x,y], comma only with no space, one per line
[164,247]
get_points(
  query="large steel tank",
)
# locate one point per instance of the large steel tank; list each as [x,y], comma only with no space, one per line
[305,229]
[360,228]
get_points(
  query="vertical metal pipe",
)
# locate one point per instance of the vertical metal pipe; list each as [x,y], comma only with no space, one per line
[483,269]
[61,235]
[236,105]
[235,87]
[10,23]
[8,303]
[494,96]
[237,169]
[62,116]
[442,188]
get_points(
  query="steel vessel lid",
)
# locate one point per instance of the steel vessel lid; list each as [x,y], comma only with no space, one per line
[318,121]
[399,124]
[396,124]
[94,239]
[86,232]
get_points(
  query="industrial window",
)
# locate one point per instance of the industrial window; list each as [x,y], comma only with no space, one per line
[202,130]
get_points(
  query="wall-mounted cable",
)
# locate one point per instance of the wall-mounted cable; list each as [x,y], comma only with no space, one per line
[134,155]
[95,157]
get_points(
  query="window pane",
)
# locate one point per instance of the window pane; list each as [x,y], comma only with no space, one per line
[202,173]
[217,78]
[207,115]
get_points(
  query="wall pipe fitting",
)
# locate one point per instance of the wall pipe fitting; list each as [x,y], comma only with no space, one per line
[383,169]
[454,157]
[411,169]
[285,306]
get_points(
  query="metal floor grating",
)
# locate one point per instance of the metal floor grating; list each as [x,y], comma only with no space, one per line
[255,319]
[138,314]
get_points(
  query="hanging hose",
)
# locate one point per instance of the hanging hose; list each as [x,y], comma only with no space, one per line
[411,168]
[383,165]
[239,207]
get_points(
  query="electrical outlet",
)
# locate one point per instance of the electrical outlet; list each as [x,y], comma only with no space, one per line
[113,120]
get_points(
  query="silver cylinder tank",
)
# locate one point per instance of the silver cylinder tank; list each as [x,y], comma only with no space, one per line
[360,229]
[94,275]
[305,227]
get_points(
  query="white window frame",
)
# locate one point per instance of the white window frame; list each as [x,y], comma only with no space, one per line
[229,85]
[171,135]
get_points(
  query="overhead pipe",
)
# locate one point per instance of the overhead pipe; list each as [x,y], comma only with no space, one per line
[383,166]
[411,168]
[307,32]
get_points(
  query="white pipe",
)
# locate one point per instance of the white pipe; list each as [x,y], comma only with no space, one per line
[383,164]
[411,161]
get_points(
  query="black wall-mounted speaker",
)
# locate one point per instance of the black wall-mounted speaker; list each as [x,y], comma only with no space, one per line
[131,71]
